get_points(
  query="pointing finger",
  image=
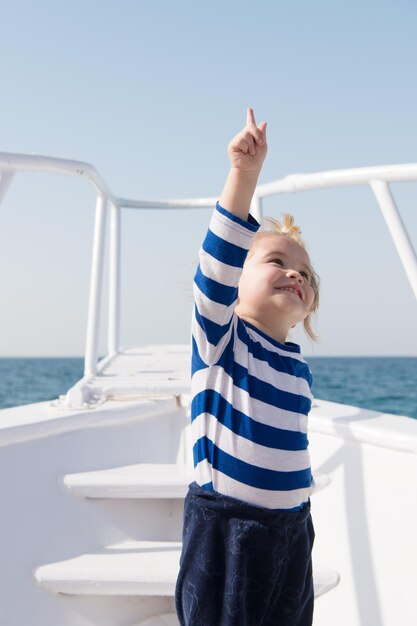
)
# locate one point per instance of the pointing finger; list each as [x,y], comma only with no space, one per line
[250,117]
[258,132]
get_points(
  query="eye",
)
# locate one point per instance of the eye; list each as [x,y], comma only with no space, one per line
[306,275]
[277,261]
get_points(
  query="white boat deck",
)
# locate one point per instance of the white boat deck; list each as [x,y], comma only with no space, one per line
[157,371]
[135,372]
[147,370]
[138,386]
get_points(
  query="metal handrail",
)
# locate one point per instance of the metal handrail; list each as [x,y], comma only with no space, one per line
[340,178]
[377,177]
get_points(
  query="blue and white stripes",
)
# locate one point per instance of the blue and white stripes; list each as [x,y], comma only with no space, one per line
[250,393]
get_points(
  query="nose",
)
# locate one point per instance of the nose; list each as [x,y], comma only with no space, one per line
[296,275]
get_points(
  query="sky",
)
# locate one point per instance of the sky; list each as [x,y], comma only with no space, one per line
[150,92]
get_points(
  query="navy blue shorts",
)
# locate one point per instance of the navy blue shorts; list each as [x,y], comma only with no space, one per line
[242,564]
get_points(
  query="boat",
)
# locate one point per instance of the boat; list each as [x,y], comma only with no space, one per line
[94,481]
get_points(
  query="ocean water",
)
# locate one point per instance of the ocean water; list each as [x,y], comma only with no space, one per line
[27,380]
[387,384]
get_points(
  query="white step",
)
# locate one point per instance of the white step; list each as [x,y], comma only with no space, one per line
[321,481]
[147,568]
[144,480]
[324,580]
[144,568]
[166,619]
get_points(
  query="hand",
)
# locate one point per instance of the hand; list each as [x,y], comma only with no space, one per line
[248,149]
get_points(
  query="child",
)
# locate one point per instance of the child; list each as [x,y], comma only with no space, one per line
[248,532]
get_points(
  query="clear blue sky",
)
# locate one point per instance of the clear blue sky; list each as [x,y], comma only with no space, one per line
[150,92]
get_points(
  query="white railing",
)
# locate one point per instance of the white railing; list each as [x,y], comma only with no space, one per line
[378,178]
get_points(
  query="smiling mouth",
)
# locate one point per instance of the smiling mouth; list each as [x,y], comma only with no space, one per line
[290,291]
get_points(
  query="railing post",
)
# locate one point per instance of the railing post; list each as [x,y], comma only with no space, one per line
[96,281]
[114,281]
[6,178]
[399,234]
[256,208]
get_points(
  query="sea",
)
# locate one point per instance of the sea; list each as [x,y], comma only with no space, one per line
[387,384]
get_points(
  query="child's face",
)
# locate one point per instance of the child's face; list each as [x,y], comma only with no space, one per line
[277,262]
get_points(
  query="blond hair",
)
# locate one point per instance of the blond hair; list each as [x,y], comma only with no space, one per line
[288,229]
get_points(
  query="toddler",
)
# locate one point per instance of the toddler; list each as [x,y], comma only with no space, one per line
[248,532]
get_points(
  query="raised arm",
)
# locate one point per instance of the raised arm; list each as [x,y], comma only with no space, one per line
[247,152]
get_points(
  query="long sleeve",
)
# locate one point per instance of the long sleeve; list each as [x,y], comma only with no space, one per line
[215,287]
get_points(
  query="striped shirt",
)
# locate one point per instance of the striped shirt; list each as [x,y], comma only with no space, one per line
[250,393]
